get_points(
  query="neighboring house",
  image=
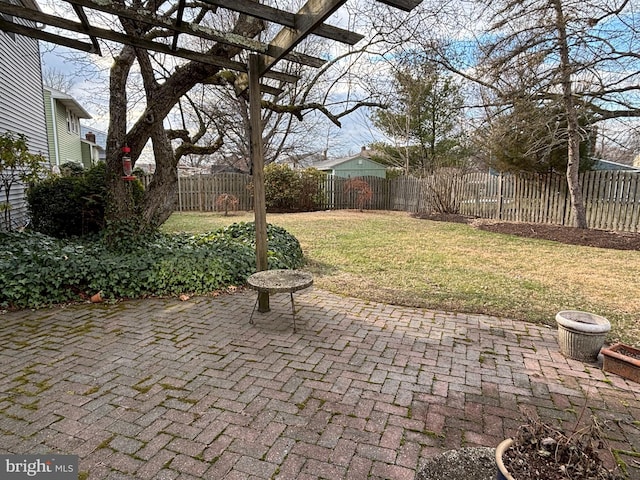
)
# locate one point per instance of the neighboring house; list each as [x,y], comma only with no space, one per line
[350,167]
[609,165]
[63,115]
[94,146]
[21,107]
[300,162]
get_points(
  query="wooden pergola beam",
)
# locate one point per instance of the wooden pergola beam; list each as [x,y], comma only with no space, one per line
[228,38]
[257,164]
[406,5]
[86,25]
[241,84]
[287,19]
[122,38]
[45,36]
[178,24]
[309,17]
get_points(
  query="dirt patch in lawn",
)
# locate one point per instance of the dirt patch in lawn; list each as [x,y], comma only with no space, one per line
[558,233]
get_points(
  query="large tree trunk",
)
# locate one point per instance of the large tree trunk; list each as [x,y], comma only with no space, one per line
[573,126]
[119,202]
[159,198]
[573,178]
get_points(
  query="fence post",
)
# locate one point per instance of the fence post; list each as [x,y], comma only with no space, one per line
[500,180]
[179,190]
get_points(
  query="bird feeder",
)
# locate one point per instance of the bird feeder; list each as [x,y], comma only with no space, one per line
[126,164]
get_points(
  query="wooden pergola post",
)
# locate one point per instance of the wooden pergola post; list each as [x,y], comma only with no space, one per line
[257,162]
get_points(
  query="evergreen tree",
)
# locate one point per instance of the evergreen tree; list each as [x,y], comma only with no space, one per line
[424,120]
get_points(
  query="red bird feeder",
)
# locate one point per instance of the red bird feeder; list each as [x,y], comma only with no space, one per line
[126,164]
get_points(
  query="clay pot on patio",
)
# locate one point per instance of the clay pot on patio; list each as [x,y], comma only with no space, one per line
[97,298]
[623,360]
[581,335]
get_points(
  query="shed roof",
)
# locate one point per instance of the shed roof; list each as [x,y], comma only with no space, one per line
[601,164]
[329,164]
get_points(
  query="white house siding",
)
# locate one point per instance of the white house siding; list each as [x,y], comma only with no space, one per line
[21,102]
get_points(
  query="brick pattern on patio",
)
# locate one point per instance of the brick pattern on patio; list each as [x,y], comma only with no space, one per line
[163,389]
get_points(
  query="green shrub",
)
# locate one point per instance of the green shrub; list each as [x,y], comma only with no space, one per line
[71,169]
[311,195]
[283,249]
[282,188]
[38,270]
[72,205]
[56,206]
[288,190]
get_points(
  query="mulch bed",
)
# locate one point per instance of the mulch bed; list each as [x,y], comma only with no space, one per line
[628,353]
[558,233]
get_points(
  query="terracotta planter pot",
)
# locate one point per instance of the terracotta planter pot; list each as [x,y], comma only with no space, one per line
[616,360]
[502,471]
[97,298]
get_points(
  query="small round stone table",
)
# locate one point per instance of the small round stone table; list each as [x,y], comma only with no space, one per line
[279,281]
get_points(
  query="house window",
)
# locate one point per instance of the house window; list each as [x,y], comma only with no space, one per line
[73,124]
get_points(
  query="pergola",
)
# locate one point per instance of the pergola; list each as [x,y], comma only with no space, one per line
[263,57]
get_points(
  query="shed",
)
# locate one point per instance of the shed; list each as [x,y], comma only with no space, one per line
[601,164]
[355,166]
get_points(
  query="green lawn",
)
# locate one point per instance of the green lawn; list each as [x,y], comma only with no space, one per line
[392,257]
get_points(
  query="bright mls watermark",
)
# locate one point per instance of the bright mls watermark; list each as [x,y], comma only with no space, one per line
[50,467]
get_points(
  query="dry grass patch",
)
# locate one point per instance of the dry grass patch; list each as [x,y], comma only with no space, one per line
[393,257]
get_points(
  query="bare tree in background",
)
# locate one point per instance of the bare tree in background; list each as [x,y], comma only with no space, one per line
[579,54]
[58,80]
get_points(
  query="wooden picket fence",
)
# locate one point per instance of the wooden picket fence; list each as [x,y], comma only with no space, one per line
[200,192]
[612,198]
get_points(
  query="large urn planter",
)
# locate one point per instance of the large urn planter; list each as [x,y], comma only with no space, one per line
[542,451]
[581,335]
[622,360]
[503,474]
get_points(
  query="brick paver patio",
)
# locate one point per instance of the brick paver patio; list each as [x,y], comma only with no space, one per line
[163,389]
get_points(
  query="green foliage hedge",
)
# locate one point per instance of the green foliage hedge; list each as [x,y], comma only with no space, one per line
[37,270]
[72,205]
[288,190]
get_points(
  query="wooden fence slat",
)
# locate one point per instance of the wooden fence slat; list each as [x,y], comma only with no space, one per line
[624,203]
[634,203]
